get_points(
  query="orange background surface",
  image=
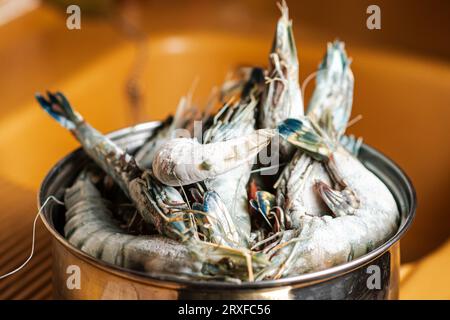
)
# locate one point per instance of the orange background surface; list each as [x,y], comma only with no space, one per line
[402,90]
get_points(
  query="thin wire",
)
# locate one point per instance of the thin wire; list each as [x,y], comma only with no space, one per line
[33,237]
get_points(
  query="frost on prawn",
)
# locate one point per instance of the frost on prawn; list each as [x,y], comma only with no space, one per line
[330,106]
[225,158]
[364,212]
[160,205]
[136,183]
[90,226]
[185,161]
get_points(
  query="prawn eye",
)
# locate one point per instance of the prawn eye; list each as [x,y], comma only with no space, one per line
[227,263]
[205,165]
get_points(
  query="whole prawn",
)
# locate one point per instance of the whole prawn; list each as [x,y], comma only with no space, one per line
[282,97]
[90,226]
[364,212]
[330,107]
[158,204]
[139,185]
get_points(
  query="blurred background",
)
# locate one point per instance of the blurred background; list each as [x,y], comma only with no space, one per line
[132,60]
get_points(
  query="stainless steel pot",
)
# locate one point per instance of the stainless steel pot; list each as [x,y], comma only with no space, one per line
[77,275]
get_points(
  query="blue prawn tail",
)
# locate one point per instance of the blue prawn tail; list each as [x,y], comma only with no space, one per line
[59,108]
[110,157]
[305,134]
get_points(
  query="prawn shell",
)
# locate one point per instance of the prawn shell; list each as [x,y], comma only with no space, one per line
[184,161]
[91,228]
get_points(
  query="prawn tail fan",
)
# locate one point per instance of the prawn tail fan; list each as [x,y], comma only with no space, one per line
[59,108]
[306,135]
[332,100]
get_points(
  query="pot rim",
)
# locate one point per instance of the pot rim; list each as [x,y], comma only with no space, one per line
[177,281]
